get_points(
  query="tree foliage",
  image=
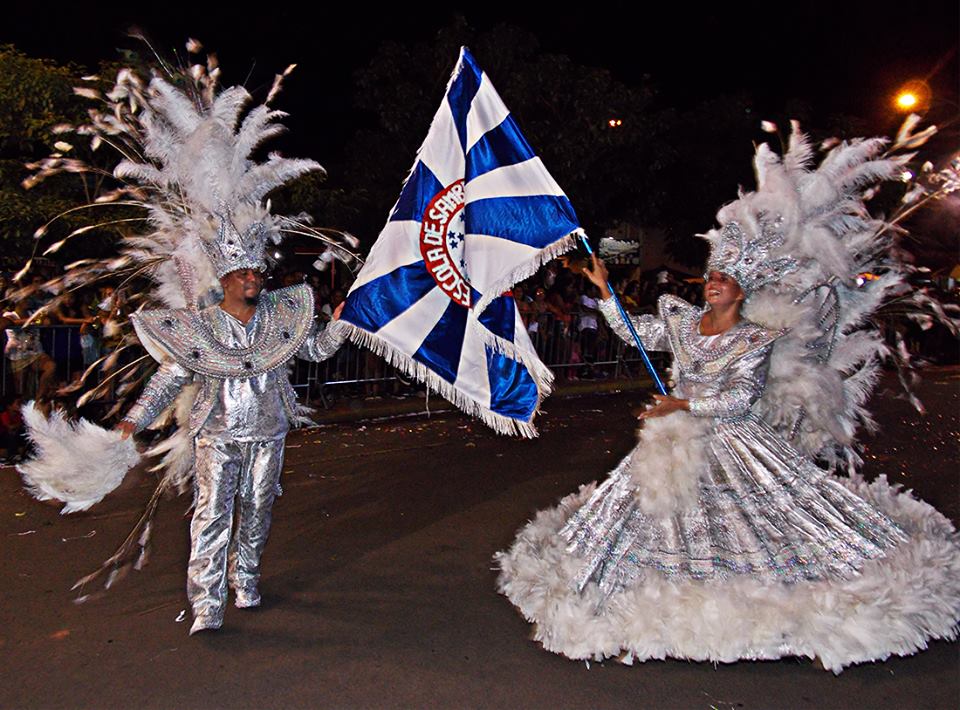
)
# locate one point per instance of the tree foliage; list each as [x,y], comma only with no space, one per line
[562,107]
[35,96]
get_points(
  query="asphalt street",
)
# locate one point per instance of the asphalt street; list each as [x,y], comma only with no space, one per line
[378,583]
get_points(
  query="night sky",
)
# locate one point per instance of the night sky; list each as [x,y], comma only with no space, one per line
[836,57]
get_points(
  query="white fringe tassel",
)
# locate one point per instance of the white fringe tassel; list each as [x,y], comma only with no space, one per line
[528,268]
[412,368]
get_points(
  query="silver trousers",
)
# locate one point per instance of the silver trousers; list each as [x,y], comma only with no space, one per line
[236,486]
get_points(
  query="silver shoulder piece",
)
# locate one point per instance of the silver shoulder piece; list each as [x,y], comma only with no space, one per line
[186,336]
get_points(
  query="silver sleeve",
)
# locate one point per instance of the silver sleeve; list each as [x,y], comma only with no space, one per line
[746,379]
[652,330]
[157,395]
[322,344]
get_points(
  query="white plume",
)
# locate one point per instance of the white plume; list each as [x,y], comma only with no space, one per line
[77,463]
[894,607]
[823,370]
[675,453]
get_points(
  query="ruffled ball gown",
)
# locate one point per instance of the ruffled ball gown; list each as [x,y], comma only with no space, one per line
[716,540]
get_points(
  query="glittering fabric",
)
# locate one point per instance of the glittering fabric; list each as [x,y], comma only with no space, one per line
[652,330]
[763,510]
[158,393]
[239,419]
[233,249]
[244,408]
[747,257]
[256,404]
[222,539]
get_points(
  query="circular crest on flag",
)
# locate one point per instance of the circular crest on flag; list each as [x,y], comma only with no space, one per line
[442,234]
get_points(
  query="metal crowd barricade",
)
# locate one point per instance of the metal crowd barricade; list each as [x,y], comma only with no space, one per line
[356,372]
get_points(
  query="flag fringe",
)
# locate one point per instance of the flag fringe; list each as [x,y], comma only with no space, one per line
[412,368]
[528,268]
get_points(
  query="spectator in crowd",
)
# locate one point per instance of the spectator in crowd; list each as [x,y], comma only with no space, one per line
[539,321]
[587,323]
[631,297]
[27,358]
[327,309]
[519,293]
[11,428]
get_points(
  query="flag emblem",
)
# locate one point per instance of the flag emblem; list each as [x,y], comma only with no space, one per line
[441,242]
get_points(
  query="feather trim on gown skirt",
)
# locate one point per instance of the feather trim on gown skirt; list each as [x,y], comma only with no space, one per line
[773,557]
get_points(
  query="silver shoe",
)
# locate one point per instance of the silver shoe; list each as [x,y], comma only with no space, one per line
[206,621]
[247,598]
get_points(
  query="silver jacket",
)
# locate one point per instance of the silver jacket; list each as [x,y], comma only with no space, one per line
[240,369]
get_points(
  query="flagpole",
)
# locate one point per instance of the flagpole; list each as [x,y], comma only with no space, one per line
[633,331]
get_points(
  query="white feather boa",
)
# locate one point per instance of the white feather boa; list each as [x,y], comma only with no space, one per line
[77,463]
[674,455]
[895,606]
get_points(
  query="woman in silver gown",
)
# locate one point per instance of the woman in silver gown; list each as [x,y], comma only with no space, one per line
[715,539]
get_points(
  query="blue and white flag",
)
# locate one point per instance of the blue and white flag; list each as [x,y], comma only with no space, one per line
[478,213]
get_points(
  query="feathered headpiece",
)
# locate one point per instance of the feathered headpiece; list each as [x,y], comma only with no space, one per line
[186,160]
[185,151]
[746,257]
[814,262]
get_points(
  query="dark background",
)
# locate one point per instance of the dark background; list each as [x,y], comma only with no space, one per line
[696,83]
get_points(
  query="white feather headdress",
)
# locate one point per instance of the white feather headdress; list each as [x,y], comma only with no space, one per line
[837,270]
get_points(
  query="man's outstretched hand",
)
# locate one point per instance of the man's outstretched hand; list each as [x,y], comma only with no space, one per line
[126,429]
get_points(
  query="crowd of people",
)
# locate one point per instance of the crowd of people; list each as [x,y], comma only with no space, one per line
[50,341]
[557,305]
[560,310]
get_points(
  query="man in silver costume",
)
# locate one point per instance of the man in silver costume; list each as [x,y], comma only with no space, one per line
[236,354]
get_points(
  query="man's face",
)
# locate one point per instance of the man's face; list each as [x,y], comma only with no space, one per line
[242,284]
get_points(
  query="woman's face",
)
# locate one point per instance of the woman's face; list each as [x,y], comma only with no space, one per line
[722,290]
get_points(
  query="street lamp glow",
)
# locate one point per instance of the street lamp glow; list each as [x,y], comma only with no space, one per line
[615,123]
[907,100]
[912,95]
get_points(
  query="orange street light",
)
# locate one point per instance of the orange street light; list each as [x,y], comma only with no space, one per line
[615,123]
[912,96]
[906,100]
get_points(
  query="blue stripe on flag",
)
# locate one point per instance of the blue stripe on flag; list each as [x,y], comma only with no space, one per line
[419,189]
[503,145]
[475,295]
[513,393]
[440,350]
[499,317]
[534,220]
[461,94]
[378,302]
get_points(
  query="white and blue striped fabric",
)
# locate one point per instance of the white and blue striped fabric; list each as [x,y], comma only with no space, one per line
[478,213]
